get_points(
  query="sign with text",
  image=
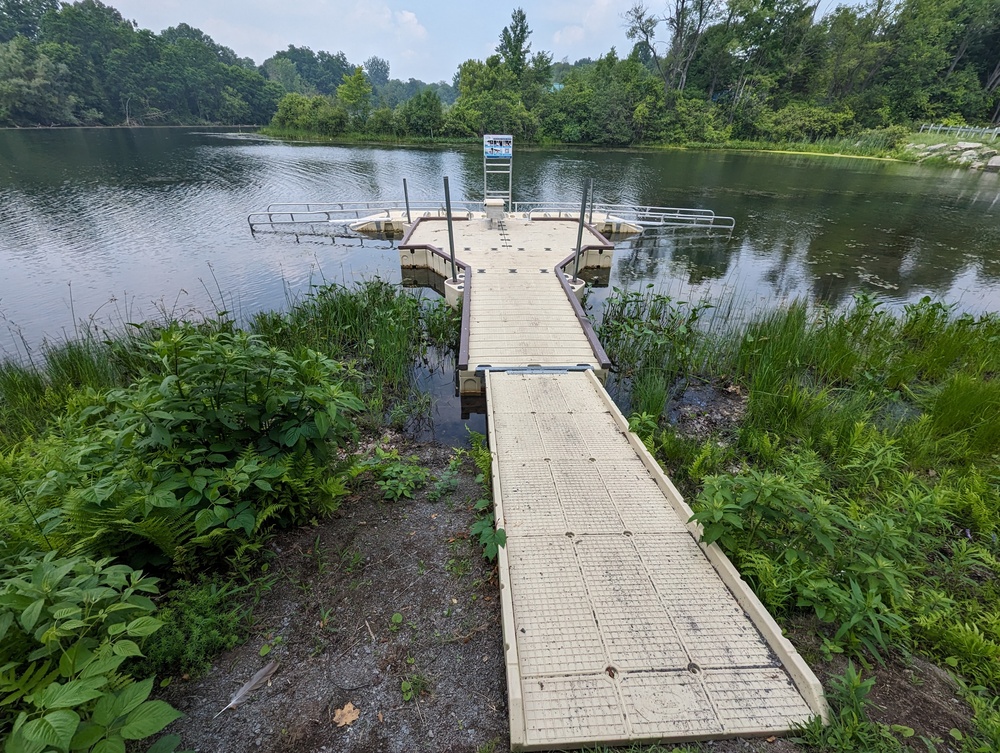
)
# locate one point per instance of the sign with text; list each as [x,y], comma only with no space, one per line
[498,147]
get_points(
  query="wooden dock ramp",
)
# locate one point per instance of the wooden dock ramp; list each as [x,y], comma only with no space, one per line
[618,625]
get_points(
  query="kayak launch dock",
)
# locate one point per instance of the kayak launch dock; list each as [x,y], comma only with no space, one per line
[618,625]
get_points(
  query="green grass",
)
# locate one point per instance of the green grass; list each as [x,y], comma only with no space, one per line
[862,484]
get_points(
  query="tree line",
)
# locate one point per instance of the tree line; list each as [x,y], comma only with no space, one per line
[82,63]
[710,71]
[697,71]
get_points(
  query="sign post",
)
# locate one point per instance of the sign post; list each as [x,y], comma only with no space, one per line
[498,160]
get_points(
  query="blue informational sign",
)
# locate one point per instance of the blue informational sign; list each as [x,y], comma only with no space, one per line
[498,147]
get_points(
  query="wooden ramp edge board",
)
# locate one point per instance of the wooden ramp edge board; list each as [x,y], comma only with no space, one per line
[618,626]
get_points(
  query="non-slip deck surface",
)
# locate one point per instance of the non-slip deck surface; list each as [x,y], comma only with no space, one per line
[618,626]
[519,312]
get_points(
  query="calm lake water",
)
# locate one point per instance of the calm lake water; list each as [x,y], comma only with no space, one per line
[118,225]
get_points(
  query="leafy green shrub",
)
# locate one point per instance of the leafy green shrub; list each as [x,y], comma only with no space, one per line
[67,625]
[220,436]
[802,122]
[316,114]
[800,549]
[484,529]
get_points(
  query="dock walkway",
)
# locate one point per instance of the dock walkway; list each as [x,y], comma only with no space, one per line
[618,625]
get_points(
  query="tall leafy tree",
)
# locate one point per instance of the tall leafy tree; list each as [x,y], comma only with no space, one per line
[686,21]
[377,70]
[33,87]
[514,47]
[356,96]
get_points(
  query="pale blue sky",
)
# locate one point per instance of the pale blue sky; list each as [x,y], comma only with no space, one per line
[421,39]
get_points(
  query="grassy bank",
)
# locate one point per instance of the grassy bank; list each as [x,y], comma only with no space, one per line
[888,143]
[177,448]
[857,481]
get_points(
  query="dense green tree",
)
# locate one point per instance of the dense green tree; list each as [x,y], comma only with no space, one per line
[355,94]
[285,73]
[316,114]
[224,54]
[422,115]
[33,87]
[319,71]
[377,71]
[22,17]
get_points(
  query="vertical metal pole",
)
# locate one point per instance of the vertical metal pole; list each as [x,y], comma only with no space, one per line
[451,230]
[591,201]
[406,198]
[579,232]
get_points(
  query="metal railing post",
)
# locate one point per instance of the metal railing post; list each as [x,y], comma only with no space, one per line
[451,230]
[579,233]
[406,198]
[591,201]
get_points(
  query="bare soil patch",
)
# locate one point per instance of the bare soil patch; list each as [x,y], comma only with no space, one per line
[329,620]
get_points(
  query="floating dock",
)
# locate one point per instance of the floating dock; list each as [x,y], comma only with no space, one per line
[619,626]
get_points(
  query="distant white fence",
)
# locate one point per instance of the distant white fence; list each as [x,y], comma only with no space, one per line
[960,130]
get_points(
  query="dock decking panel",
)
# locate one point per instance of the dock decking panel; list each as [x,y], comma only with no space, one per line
[618,626]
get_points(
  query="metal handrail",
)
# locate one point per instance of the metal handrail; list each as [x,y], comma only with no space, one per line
[644,216]
[534,206]
[344,212]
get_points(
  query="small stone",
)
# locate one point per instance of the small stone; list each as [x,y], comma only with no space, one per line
[977,165]
[963,145]
[936,147]
[993,166]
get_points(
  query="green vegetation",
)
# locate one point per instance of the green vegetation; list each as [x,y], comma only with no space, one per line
[82,63]
[701,72]
[861,485]
[484,529]
[746,75]
[176,447]
[397,477]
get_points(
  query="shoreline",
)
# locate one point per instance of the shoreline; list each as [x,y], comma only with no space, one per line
[917,157]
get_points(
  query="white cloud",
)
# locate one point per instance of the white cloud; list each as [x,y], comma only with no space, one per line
[409,25]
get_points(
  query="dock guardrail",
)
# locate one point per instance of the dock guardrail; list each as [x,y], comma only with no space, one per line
[643,216]
[346,212]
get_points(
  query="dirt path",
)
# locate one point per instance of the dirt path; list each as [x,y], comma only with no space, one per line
[329,620]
